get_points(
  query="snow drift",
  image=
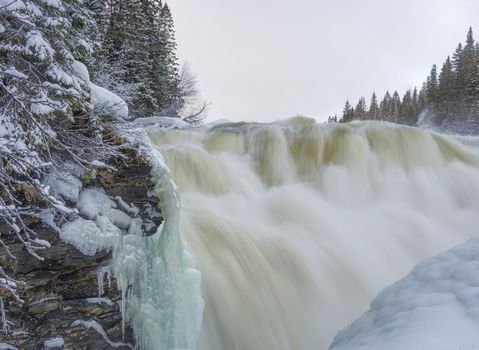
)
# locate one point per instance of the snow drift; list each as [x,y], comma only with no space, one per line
[434,308]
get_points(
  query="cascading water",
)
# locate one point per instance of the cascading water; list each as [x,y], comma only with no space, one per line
[296,226]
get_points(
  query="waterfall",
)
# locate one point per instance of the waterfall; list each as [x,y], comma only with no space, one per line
[296,226]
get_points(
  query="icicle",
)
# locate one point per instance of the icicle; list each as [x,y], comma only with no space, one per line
[100,274]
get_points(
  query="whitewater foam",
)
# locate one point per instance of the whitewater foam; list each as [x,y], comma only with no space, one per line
[296,226]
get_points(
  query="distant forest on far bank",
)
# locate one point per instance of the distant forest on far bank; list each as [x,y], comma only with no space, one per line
[448,99]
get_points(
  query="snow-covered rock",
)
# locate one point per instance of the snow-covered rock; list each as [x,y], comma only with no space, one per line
[94,201]
[67,186]
[435,307]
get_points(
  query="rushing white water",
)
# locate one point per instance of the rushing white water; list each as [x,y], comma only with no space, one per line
[296,226]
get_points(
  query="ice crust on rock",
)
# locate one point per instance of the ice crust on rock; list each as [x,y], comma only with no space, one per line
[94,202]
[89,238]
[67,186]
[53,344]
[99,329]
[160,286]
[4,346]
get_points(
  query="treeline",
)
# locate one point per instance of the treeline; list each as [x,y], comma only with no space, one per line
[448,99]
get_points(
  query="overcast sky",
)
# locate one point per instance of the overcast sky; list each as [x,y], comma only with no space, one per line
[271,59]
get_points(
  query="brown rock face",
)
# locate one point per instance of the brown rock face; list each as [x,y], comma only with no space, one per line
[128,183]
[60,290]
[60,295]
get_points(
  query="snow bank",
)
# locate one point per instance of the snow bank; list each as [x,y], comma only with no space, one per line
[435,307]
[104,99]
[162,122]
[101,98]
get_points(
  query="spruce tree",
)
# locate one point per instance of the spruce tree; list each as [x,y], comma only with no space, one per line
[395,108]
[431,86]
[415,108]
[171,99]
[44,108]
[361,110]
[373,112]
[348,112]
[470,77]
[37,59]
[407,109]
[385,107]
[140,62]
[446,92]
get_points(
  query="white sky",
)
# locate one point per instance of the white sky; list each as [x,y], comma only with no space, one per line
[271,59]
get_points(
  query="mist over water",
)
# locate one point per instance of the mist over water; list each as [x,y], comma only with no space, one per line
[296,226]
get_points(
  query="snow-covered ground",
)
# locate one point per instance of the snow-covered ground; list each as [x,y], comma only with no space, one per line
[435,307]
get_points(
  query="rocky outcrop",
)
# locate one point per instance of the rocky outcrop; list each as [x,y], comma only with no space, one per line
[133,185]
[61,307]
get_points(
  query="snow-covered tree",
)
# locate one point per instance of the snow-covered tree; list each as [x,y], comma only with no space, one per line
[45,112]
[138,59]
